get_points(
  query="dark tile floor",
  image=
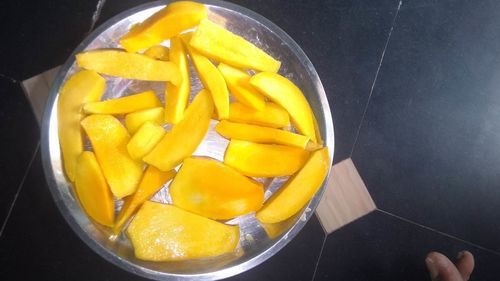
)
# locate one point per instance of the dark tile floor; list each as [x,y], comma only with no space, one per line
[426,72]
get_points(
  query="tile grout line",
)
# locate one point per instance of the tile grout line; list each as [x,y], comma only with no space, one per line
[375,78]
[19,188]
[96,14]
[439,232]
[9,78]
[319,257]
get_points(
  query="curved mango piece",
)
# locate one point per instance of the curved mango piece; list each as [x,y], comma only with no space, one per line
[84,86]
[283,92]
[109,140]
[238,83]
[176,97]
[158,52]
[129,65]
[124,105]
[152,181]
[264,160]
[134,120]
[220,44]
[164,24]
[184,137]
[297,191]
[144,140]
[161,232]
[209,188]
[92,190]
[271,116]
[260,134]
[212,80]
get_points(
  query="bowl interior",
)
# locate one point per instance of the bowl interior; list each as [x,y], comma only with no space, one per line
[257,242]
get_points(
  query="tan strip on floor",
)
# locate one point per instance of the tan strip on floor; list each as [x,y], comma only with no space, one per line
[345,199]
[37,90]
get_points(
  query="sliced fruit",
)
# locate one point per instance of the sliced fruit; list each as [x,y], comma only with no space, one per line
[84,86]
[158,52]
[92,190]
[260,134]
[143,141]
[164,24]
[176,97]
[264,160]
[212,80]
[283,92]
[151,182]
[218,43]
[161,232]
[238,82]
[124,105]
[184,138]
[134,120]
[129,65]
[209,188]
[297,191]
[109,140]
[271,116]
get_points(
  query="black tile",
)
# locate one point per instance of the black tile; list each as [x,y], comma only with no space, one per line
[429,147]
[39,35]
[381,247]
[296,261]
[20,135]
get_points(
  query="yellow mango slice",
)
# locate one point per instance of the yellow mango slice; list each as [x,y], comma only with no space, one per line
[158,52]
[134,120]
[212,80]
[84,86]
[124,105]
[109,140]
[209,188]
[283,92]
[297,191]
[184,137]
[271,116]
[129,65]
[161,232]
[176,97]
[264,160]
[238,82]
[144,140]
[164,24]
[220,44]
[151,182]
[92,190]
[260,134]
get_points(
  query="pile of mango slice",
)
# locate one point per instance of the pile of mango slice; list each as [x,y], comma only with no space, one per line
[133,156]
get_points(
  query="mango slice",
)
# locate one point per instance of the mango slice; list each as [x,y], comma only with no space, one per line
[129,65]
[260,134]
[212,80]
[84,86]
[158,52]
[92,190]
[283,92]
[124,105]
[134,120]
[176,97]
[109,140]
[143,141]
[152,181]
[184,137]
[209,188]
[264,160]
[297,191]
[220,44]
[161,232]
[164,24]
[238,82]
[271,116]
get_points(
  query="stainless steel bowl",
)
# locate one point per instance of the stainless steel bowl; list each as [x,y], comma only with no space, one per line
[257,243]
